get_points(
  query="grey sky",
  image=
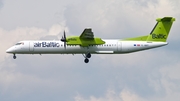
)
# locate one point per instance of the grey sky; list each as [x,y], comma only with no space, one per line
[151,75]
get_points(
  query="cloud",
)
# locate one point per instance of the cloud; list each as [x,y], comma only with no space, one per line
[111,95]
[1,4]
[145,77]
[124,14]
[127,95]
[33,13]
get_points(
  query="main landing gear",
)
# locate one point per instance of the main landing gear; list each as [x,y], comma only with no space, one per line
[86,56]
[14,56]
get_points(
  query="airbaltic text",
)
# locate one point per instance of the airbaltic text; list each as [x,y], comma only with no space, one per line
[158,36]
[46,44]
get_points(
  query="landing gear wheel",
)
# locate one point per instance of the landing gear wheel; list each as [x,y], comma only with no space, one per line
[88,55]
[86,60]
[14,57]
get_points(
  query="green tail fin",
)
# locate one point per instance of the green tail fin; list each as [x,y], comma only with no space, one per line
[161,30]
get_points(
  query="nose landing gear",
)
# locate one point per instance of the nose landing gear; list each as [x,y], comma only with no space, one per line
[14,56]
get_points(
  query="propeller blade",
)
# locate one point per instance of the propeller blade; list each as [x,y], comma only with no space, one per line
[64,35]
[64,39]
[65,44]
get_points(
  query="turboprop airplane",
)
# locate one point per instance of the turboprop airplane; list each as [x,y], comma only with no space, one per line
[87,44]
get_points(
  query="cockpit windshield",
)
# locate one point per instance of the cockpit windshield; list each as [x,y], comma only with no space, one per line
[20,43]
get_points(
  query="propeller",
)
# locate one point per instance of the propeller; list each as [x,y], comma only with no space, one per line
[63,39]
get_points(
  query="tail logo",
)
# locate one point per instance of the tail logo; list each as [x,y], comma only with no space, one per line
[158,36]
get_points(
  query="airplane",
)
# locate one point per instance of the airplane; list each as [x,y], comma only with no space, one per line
[86,44]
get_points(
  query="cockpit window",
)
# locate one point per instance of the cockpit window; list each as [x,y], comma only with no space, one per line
[20,43]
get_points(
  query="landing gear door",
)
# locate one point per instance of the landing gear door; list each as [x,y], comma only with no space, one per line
[31,46]
[118,46]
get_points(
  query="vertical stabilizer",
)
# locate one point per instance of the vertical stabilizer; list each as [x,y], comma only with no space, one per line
[161,30]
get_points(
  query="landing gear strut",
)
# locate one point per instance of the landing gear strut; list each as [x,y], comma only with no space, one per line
[86,56]
[14,56]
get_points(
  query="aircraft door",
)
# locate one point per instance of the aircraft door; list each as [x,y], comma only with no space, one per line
[31,46]
[118,46]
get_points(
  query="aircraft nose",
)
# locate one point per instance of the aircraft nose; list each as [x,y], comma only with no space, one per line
[10,50]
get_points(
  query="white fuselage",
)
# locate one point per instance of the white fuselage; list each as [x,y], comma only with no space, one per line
[57,47]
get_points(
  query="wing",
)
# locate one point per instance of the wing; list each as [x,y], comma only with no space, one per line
[85,39]
[87,34]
